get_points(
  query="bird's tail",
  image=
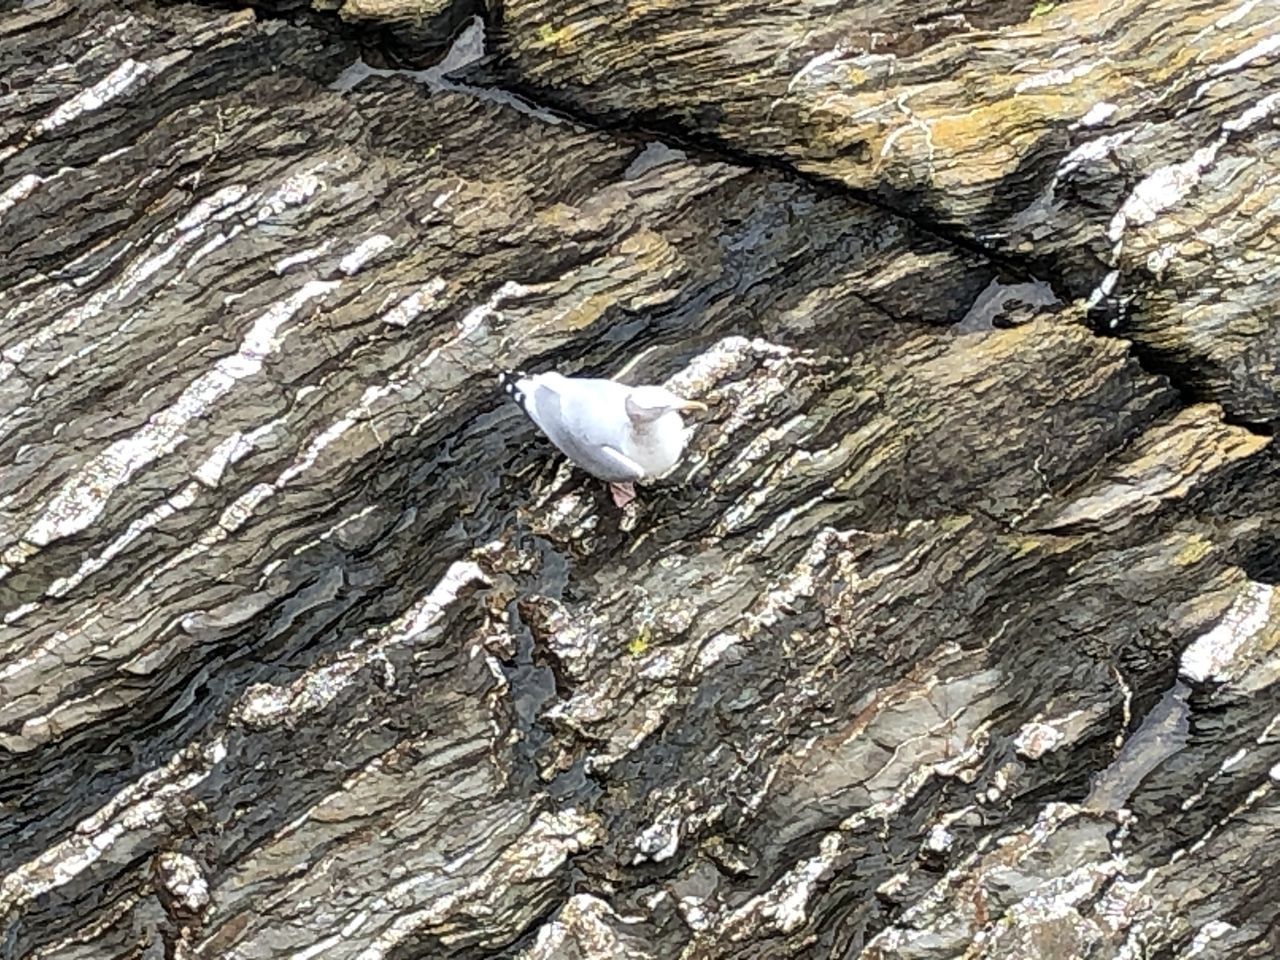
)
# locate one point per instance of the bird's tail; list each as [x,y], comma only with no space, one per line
[511,382]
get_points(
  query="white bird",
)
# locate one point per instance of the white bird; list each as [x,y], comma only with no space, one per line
[617,433]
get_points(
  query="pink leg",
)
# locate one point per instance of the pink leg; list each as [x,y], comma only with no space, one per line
[623,493]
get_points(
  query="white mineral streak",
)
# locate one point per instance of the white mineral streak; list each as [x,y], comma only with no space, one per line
[1057,77]
[364,253]
[163,250]
[25,186]
[328,436]
[762,543]
[293,191]
[1099,113]
[758,449]
[1233,761]
[1225,767]
[1037,738]
[117,82]
[169,243]
[711,368]
[817,63]
[539,853]
[584,927]
[711,651]
[940,839]
[721,359]
[364,408]
[137,808]
[230,201]
[17,613]
[1043,735]
[694,913]
[413,306]
[84,496]
[1166,186]
[243,507]
[1091,151]
[1161,189]
[179,501]
[266,704]
[659,841]
[206,248]
[1264,47]
[477,316]
[1255,114]
[1213,655]
[784,906]
[302,256]
[182,877]
[1229,19]
[1205,936]
[209,474]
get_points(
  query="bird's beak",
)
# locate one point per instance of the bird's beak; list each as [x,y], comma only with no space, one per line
[694,405]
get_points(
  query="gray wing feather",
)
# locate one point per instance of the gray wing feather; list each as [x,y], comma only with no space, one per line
[585,418]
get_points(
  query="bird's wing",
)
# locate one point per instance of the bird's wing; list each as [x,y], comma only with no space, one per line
[585,418]
[624,469]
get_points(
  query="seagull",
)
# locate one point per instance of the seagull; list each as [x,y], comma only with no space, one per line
[617,433]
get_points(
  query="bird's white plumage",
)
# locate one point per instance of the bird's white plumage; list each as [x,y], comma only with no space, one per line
[588,420]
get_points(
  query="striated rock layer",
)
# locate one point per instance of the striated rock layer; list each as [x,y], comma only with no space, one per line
[1125,149]
[954,635]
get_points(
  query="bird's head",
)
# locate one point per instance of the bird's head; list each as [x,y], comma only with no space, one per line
[646,404]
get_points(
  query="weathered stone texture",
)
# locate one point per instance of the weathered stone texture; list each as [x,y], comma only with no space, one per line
[1126,150]
[954,635]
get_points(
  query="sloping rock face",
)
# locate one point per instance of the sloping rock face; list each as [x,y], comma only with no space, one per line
[955,634]
[410,32]
[1126,150]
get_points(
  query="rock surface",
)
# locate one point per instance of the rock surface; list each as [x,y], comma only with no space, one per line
[955,635]
[398,32]
[1127,150]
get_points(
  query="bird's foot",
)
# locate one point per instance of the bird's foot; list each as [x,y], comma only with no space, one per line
[623,493]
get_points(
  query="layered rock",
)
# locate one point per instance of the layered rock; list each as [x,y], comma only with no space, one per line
[1124,150]
[387,32]
[955,631]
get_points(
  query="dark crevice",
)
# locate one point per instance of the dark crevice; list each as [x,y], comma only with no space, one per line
[1261,560]
[1102,320]
[373,42]
[379,45]
[1259,428]
[714,149]
[1107,323]
[410,43]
